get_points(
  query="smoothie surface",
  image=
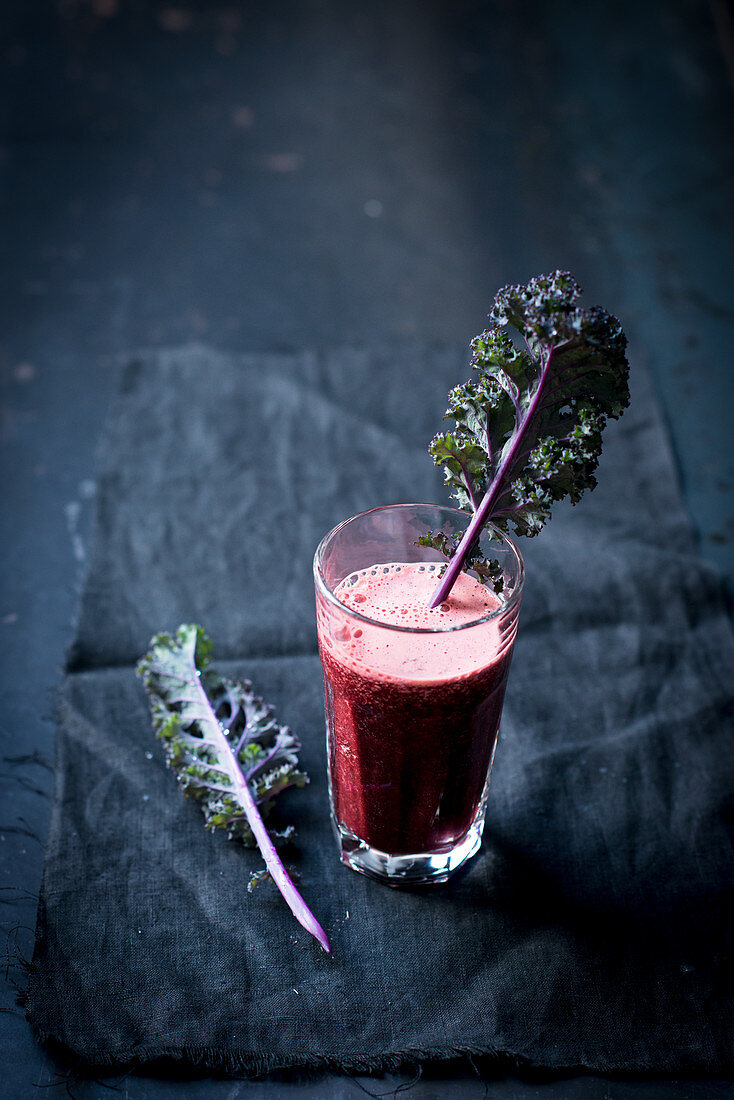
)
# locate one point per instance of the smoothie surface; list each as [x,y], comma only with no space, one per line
[397,594]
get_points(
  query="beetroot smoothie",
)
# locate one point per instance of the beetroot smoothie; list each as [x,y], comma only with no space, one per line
[413,700]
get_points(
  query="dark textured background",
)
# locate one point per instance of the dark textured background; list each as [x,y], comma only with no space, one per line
[315,173]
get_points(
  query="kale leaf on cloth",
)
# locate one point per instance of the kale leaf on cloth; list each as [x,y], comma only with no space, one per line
[226,748]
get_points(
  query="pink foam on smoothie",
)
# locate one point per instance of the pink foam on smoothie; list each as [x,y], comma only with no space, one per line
[398,594]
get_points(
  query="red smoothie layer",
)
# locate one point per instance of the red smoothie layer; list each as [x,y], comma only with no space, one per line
[415,714]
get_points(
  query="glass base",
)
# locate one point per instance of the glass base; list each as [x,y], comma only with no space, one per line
[415,869]
[418,868]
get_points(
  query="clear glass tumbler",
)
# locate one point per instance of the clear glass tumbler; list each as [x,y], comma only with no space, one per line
[412,712]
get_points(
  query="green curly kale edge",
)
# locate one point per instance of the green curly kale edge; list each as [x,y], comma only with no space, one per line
[529,425]
[488,570]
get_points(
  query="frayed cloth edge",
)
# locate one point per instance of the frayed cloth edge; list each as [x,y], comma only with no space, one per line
[250,1064]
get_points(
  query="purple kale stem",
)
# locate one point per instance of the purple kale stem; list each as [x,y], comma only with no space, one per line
[484,511]
[295,902]
[273,862]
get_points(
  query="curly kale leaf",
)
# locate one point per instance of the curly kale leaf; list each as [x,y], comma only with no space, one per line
[488,570]
[226,748]
[529,424]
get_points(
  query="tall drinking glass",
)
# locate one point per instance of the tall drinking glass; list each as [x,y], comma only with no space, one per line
[413,696]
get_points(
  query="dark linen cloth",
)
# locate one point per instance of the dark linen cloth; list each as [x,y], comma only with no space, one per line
[593,930]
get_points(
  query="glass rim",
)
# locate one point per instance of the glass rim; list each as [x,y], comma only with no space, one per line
[504,607]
